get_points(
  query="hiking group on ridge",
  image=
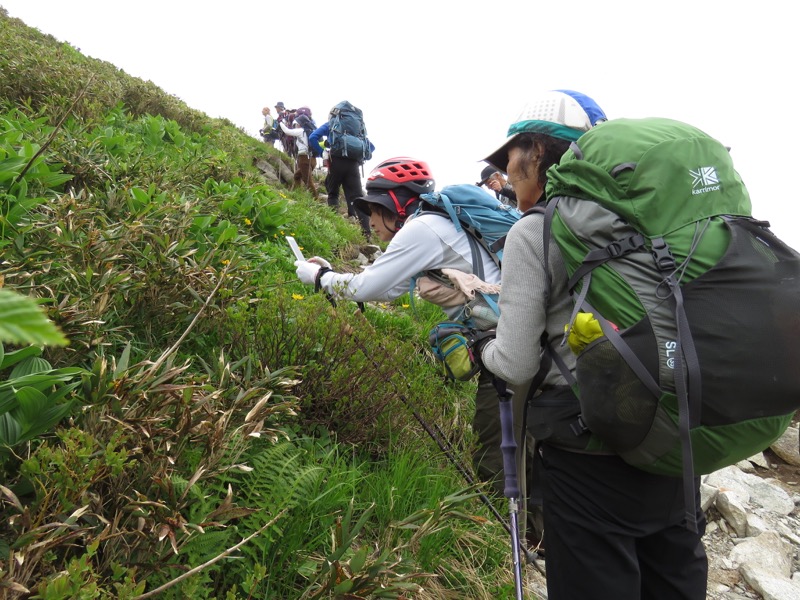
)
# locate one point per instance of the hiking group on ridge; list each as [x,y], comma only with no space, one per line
[346,148]
[604,320]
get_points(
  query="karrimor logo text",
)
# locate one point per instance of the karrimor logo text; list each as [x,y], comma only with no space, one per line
[704,180]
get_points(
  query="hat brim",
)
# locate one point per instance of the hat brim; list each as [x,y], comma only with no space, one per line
[499,158]
[384,200]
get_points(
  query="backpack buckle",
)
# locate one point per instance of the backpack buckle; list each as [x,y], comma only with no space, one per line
[625,246]
[579,427]
[662,255]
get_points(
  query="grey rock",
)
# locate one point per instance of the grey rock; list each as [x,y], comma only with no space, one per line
[786,447]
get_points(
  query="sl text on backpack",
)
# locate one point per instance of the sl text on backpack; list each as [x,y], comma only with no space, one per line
[347,135]
[486,221]
[686,309]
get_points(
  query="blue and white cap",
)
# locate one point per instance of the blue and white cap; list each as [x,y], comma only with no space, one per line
[562,114]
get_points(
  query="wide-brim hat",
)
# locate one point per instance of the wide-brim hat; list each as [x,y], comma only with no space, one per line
[562,114]
[280,105]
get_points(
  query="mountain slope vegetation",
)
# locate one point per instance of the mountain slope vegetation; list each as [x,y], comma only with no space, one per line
[212,428]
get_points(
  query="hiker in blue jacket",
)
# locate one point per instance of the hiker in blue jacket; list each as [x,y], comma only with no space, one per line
[343,173]
[611,530]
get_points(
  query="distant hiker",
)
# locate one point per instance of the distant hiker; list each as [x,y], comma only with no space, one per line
[288,144]
[611,530]
[306,161]
[267,131]
[494,180]
[348,149]
[423,242]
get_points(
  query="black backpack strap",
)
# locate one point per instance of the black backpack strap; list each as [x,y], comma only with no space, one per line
[688,385]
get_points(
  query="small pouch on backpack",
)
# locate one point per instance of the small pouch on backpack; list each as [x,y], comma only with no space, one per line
[553,416]
[451,343]
[439,292]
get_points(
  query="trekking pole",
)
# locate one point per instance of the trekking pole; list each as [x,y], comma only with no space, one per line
[508,446]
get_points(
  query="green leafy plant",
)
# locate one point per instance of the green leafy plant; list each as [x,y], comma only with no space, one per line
[258,206]
[33,395]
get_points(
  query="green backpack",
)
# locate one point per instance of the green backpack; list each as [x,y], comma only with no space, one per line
[696,363]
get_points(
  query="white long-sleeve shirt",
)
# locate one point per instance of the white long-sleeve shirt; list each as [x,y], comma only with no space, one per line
[301,135]
[425,242]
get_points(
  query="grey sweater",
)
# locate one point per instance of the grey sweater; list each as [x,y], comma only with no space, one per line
[524,311]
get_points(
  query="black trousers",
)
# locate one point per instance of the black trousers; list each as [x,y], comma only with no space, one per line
[344,173]
[615,531]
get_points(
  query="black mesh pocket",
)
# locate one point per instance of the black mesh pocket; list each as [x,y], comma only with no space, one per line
[615,404]
[747,337]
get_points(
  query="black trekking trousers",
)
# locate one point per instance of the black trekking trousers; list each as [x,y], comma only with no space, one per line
[344,173]
[613,531]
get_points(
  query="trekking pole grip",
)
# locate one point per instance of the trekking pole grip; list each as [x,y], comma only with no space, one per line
[508,447]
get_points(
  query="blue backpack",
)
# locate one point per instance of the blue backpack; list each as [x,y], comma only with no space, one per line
[485,219]
[347,135]
[477,212]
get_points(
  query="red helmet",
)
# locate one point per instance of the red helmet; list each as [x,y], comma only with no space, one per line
[396,184]
[401,171]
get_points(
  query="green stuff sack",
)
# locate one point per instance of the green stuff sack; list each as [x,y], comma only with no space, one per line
[451,343]
[699,303]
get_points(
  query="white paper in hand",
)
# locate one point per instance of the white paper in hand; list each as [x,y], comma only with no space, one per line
[295,248]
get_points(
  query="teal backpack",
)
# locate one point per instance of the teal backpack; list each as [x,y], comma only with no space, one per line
[693,361]
[347,133]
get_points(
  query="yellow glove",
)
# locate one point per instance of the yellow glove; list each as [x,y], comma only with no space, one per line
[584,330]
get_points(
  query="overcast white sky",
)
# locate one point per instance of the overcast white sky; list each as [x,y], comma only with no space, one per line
[441,80]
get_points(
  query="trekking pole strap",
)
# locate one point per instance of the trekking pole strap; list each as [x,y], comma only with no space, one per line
[318,277]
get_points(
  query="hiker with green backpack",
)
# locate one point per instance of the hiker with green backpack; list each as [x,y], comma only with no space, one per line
[651,311]
[611,530]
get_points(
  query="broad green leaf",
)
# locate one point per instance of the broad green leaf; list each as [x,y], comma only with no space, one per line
[228,233]
[8,401]
[45,421]
[10,430]
[41,381]
[203,222]
[22,321]
[30,366]
[32,405]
